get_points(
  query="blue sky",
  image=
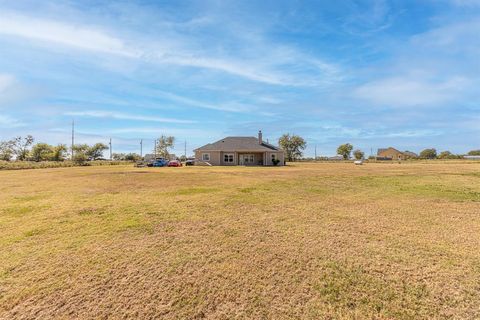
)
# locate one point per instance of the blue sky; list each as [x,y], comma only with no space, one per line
[372,73]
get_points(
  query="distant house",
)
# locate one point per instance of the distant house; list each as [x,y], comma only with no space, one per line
[149,157]
[472,157]
[410,154]
[248,151]
[394,154]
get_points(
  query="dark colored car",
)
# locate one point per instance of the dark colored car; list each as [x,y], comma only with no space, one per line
[174,163]
[190,162]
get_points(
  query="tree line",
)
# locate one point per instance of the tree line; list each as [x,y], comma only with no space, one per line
[293,145]
[25,149]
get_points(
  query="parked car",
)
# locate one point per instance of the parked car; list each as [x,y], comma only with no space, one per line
[140,164]
[190,162]
[160,163]
[358,162]
[174,163]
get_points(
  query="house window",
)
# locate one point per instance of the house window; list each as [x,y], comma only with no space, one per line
[228,157]
[206,156]
[274,156]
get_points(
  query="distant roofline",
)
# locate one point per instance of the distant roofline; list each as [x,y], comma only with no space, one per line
[263,144]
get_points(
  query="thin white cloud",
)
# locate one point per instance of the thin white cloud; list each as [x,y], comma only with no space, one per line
[408,91]
[82,37]
[411,134]
[242,69]
[125,116]
[457,37]
[180,50]
[230,107]
[158,131]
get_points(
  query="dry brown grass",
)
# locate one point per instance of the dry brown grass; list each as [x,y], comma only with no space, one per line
[307,241]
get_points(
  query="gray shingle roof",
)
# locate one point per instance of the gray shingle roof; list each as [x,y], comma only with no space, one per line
[238,144]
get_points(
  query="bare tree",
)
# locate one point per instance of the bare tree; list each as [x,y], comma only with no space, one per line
[163,144]
[20,146]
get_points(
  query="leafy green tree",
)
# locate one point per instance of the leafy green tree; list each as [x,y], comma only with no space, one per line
[428,154]
[345,150]
[80,153]
[163,144]
[358,154]
[96,151]
[59,153]
[79,158]
[474,153]
[448,155]
[132,157]
[293,146]
[20,146]
[6,150]
[118,156]
[81,148]
[41,152]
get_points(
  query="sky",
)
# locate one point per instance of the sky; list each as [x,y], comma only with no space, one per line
[372,73]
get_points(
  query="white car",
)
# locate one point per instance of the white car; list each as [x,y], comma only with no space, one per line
[358,162]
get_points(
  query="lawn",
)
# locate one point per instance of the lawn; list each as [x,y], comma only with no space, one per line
[307,241]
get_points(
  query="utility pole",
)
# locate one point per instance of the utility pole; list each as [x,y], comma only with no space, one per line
[315,152]
[73,135]
[155,148]
[185,150]
[110,149]
[141,148]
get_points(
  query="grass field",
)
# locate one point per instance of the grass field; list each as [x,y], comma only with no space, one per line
[307,241]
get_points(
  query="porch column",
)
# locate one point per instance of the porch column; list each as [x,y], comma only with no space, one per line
[264,158]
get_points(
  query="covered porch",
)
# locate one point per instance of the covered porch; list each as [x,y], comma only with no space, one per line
[251,158]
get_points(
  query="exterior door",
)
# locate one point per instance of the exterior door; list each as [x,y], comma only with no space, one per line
[246,159]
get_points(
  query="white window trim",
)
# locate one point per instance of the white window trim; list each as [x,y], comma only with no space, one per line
[205,154]
[229,154]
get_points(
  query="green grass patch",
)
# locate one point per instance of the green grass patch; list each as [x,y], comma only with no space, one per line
[423,186]
[34,232]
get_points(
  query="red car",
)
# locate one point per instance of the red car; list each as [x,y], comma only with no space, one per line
[174,163]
